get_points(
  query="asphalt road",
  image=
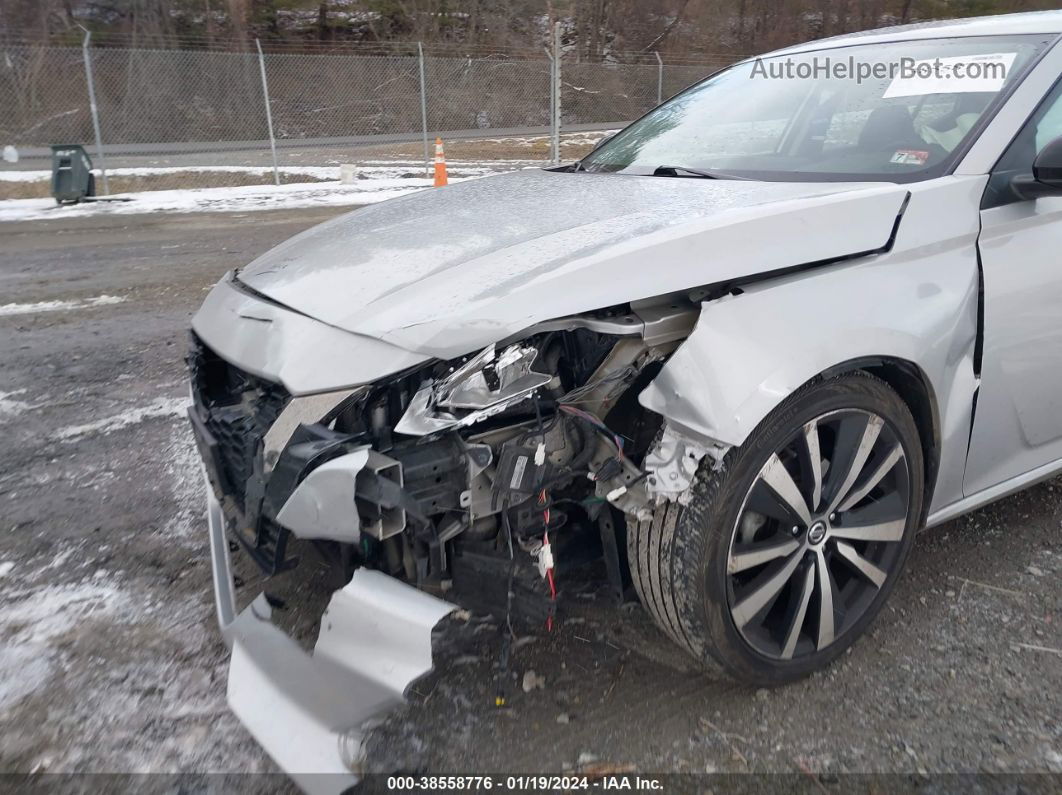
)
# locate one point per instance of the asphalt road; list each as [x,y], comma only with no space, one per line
[323,151]
[109,658]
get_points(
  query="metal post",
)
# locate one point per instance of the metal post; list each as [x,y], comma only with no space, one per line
[552,97]
[424,110]
[269,112]
[556,104]
[659,78]
[94,109]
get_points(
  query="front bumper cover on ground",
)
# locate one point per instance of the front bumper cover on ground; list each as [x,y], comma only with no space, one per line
[309,712]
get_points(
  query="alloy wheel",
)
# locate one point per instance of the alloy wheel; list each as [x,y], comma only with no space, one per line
[818,534]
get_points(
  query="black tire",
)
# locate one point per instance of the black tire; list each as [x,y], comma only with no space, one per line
[680,561]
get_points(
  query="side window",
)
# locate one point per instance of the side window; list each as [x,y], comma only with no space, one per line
[1050,126]
[1044,126]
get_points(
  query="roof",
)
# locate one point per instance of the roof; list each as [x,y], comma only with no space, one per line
[1041,22]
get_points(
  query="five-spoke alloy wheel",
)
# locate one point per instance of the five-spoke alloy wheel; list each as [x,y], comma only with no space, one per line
[788,547]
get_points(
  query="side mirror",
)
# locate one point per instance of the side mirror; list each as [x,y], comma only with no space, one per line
[1046,178]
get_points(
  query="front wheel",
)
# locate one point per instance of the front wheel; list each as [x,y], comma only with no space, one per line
[790,545]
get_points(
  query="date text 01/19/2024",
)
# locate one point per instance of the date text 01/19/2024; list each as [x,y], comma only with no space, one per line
[524,783]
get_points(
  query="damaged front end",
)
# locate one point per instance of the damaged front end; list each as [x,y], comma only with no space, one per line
[480,481]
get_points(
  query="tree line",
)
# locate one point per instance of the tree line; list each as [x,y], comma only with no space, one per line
[593,30]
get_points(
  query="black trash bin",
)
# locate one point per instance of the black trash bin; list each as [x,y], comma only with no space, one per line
[72,178]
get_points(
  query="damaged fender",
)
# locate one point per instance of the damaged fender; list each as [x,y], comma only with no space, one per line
[752,349]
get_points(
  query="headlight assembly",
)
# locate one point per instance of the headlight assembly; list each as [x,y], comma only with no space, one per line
[485,385]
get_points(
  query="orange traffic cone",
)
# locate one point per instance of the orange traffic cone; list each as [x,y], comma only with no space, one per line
[440,164]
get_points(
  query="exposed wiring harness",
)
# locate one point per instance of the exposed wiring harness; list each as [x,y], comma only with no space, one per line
[507,636]
[620,375]
[545,553]
[596,423]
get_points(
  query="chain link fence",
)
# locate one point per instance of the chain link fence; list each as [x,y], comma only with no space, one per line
[197,118]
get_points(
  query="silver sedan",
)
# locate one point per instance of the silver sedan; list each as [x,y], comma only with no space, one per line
[736,358]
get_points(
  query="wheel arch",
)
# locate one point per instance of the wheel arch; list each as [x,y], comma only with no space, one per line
[910,382]
[903,376]
[910,323]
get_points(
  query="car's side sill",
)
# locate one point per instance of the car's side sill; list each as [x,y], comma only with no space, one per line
[997,492]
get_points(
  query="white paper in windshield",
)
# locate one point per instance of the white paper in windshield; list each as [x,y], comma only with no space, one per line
[958,75]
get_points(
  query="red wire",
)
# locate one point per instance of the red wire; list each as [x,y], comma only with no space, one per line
[549,572]
[552,597]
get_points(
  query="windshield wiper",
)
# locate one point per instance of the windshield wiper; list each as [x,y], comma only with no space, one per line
[678,171]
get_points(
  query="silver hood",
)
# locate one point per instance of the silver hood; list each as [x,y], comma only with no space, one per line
[442,272]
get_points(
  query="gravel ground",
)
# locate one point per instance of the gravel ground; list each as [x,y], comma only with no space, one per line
[110,661]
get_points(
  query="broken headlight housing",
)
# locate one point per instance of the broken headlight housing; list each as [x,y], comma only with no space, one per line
[485,385]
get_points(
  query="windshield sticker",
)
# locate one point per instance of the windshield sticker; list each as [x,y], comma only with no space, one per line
[962,74]
[909,157]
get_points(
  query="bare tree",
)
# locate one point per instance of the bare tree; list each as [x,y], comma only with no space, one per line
[594,29]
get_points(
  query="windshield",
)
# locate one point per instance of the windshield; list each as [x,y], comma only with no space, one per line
[898,112]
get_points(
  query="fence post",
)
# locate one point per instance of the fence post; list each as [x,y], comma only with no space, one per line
[269,112]
[555,105]
[94,110]
[659,77]
[424,110]
[552,97]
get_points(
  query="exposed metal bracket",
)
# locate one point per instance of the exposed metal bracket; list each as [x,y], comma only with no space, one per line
[672,464]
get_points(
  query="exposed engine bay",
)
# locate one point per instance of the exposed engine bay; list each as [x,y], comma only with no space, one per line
[487,476]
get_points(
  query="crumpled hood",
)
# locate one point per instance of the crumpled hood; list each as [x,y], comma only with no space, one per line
[443,272]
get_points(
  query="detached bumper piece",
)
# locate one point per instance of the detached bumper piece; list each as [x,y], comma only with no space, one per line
[309,711]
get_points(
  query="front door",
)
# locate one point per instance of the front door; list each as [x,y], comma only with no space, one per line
[1018,420]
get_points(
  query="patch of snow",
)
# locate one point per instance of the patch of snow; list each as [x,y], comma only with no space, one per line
[184,475]
[381,168]
[158,408]
[30,627]
[378,181]
[9,407]
[237,199]
[586,140]
[6,567]
[26,176]
[1054,760]
[59,306]
[459,166]
[567,139]
[59,560]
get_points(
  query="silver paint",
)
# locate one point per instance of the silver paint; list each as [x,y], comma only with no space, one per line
[1021,379]
[917,304]
[299,411]
[310,712]
[303,354]
[443,273]
[322,505]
